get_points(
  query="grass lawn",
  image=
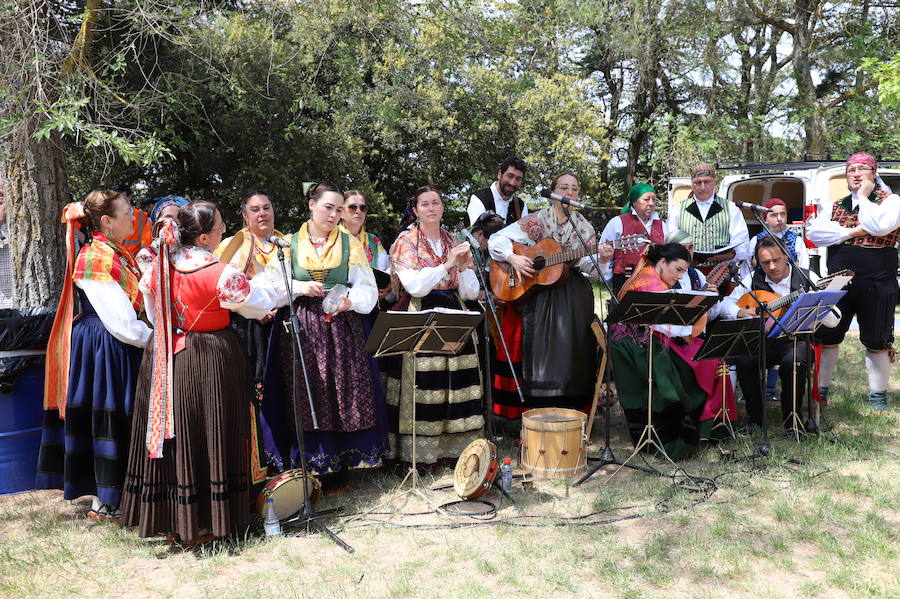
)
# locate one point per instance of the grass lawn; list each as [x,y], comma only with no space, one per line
[815,519]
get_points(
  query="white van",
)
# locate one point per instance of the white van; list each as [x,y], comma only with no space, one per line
[805,187]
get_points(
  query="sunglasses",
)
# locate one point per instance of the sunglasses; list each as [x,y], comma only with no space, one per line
[357,208]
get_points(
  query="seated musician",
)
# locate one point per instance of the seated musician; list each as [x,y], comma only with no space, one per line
[549,334]
[774,275]
[717,227]
[638,217]
[687,394]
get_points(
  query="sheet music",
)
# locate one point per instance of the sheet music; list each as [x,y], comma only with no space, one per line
[437,310]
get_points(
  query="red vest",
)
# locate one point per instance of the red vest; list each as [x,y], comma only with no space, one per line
[625,261]
[195,302]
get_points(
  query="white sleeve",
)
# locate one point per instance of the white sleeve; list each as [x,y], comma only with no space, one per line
[612,230]
[880,219]
[275,280]
[728,306]
[468,284]
[500,243]
[475,209]
[673,330]
[524,208]
[363,291]
[115,311]
[252,299]
[825,232]
[739,234]
[383,260]
[672,221]
[586,265]
[802,253]
[419,282]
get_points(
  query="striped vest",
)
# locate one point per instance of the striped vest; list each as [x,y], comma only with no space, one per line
[711,234]
[847,216]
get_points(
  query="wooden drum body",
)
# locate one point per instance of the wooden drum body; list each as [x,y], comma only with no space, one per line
[476,469]
[553,442]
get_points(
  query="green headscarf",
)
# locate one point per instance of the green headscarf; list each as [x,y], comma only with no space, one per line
[634,193]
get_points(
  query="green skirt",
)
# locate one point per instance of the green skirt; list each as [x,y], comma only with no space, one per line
[677,398]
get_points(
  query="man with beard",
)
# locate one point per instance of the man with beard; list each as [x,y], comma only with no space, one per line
[500,196]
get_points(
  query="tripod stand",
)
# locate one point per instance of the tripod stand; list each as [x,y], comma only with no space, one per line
[437,331]
[307,515]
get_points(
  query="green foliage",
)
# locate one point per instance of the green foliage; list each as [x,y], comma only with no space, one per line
[887,74]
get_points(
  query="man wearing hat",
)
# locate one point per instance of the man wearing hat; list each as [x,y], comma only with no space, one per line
[638,216]
[717,227]
[861,234]
[776,220]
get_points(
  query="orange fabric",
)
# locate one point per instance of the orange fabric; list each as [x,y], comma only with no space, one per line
[59,346]
[141,235]
[160,413]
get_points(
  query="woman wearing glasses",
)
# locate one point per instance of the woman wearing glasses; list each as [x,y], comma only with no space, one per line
[350,427]
[557,353]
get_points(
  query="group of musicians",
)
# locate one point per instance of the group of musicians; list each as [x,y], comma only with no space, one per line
[178,386]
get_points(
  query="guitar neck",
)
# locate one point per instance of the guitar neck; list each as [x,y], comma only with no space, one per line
[570,255]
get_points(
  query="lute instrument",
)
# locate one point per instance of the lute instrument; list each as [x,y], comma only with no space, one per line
[777,305]
[551,265]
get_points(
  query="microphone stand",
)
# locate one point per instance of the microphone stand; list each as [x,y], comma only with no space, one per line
[606,456]
[810,424]
[307,515]
[492,308]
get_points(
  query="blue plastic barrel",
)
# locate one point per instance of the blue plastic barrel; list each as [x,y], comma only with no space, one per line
[21,414]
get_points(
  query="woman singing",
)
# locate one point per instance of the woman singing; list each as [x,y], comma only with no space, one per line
[188,463]
[687,395]
[434,271]
[352,426]
[549,334]
[93,362]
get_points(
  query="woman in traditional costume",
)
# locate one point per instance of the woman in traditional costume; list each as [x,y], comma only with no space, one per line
[251,251]
[549,336]
[352,427]
[687,395]
[93,362]
[353,221]
[188,464]
[433,271]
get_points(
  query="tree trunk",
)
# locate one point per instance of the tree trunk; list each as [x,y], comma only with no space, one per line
[36,192]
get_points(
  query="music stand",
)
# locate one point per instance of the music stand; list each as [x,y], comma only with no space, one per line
[649,308]
[436,331]
[803,318]
[729,339]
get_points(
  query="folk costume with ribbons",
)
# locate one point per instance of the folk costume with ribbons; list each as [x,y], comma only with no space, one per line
[188,467]
[449,412]
[687,394]
[549,335]
[352,423]
[92,370]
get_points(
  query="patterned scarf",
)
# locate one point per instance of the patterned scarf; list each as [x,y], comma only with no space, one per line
[543,224]
[244,251]
[413,251]
[790,242]
[105,260]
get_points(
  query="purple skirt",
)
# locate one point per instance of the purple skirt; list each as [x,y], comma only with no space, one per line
[346,394]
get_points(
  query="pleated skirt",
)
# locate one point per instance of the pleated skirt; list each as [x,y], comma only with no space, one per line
[86,454]
[202,480]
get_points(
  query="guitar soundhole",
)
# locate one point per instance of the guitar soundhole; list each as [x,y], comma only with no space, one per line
[539,262]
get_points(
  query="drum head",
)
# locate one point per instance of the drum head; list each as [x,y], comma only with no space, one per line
[286,491]
[475,468]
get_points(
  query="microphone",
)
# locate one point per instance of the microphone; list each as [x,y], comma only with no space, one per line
[753,207]
[278,241]
[561,199]
[470,238]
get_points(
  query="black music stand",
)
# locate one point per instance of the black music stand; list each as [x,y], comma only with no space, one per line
[649,308]
[803,318]
[729,339]
[436,331]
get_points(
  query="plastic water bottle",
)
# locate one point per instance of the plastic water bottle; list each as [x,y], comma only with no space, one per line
[271,524]
[332,301]
[506,475]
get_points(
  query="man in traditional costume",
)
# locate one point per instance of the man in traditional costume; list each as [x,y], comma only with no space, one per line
[500,196]
[861,233]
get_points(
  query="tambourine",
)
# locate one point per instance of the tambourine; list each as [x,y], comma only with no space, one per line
[476,469]
[286,491]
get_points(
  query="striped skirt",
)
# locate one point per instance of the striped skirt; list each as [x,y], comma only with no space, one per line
[202,482]
[448,401]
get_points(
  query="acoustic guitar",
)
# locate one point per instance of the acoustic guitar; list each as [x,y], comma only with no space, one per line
[777,305]
[550,263]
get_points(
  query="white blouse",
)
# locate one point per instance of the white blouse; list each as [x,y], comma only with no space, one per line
[115,311]
[418,283]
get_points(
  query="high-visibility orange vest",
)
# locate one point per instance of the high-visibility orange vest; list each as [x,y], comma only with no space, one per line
[142,234]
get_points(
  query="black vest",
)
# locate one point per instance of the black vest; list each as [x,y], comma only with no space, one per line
[516,206]
[759,280]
